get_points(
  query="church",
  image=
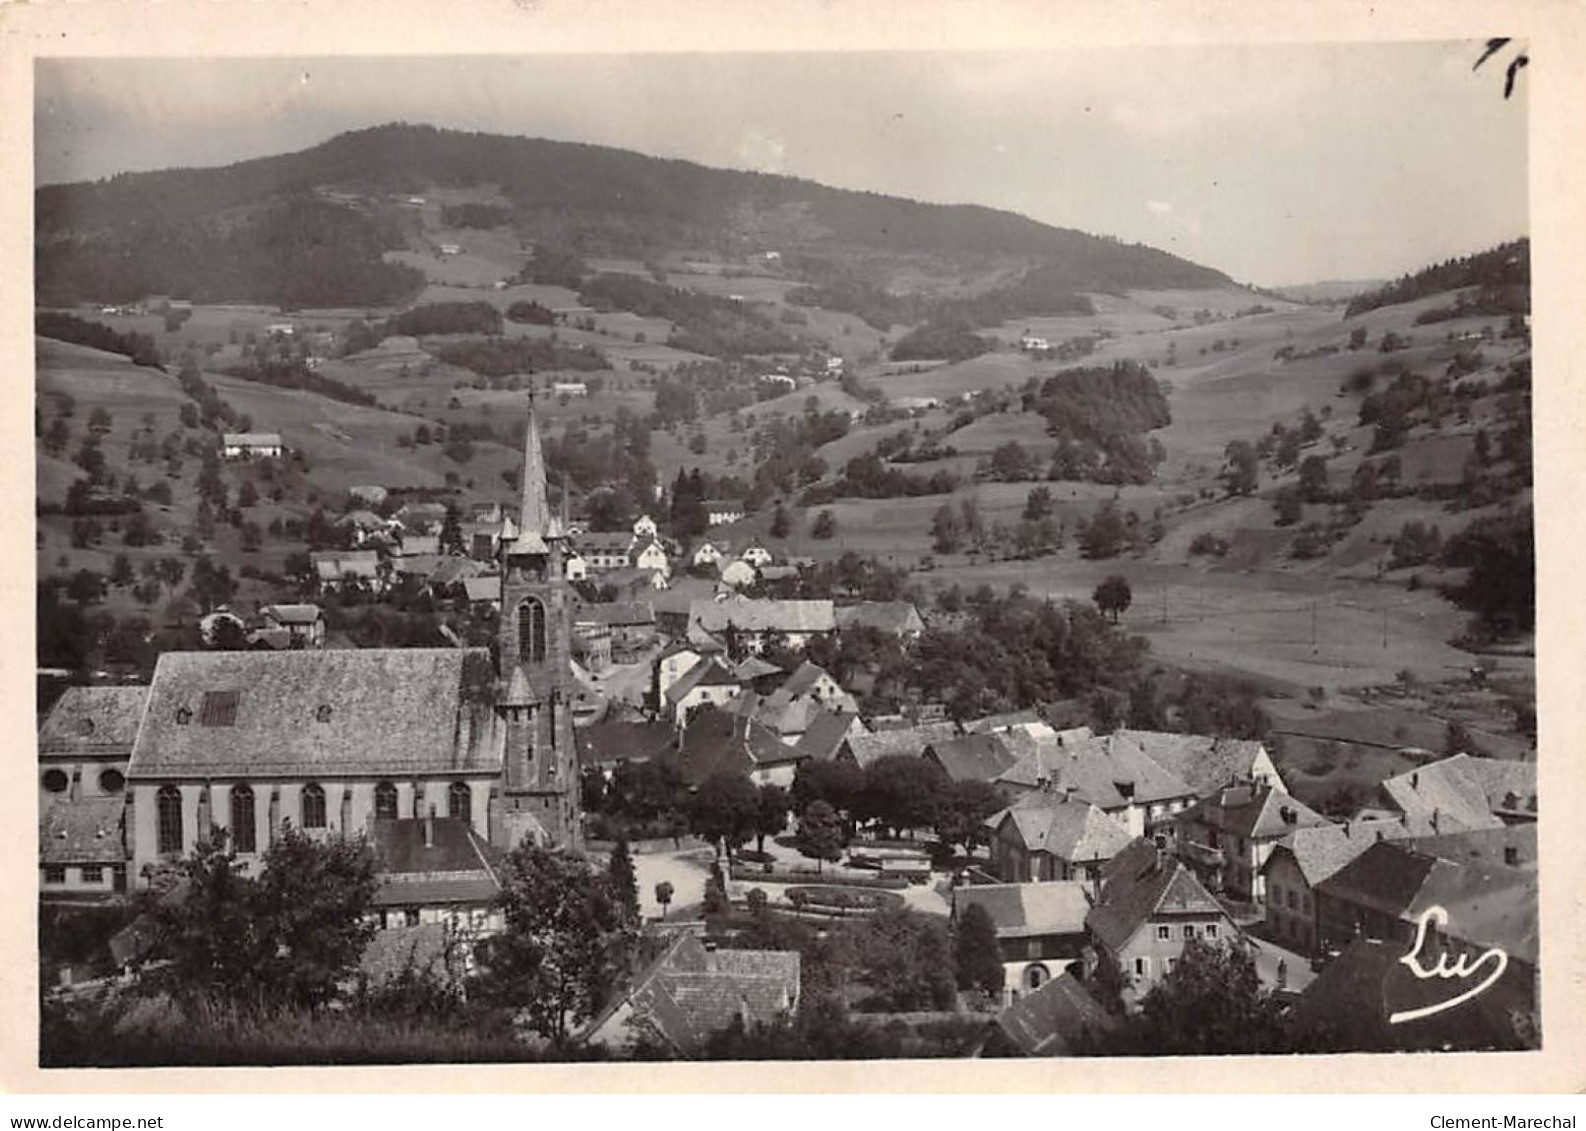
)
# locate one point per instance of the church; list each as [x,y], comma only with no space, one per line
[329,741]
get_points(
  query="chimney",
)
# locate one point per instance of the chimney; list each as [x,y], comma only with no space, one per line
[1511,855]
[1415,780]
[1287,812]
[429,829]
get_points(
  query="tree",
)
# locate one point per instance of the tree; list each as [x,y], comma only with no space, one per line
[820,833]
[780,523]
[566,940]
[946,532]
[838,783]
[771,814]
[451,539]
[1288,505]
[624,884]
[977,955]
[85,587]
[825,526]
[1103,536]
[1011,463]
[1038,504]
[725,810]
[1456,739]
[1240,468]
[963,809]
[902,792]
[1113,596]
[663,896]
[121,573]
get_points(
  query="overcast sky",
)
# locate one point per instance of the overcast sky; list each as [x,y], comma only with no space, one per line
[1276,164]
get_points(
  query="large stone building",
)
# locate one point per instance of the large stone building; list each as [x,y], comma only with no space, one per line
[331,741]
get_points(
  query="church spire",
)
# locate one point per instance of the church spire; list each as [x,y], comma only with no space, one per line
[534,516]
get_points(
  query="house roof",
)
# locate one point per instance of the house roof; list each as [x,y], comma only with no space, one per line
[1028,910]
[803,680]
[1139,885]
[257,714]
[1026,720]
[362,518]
[723,506]
[1204,762]
[1074,831]
[617,614]
[85,831]
[753,667]
[452,868]
[251,439]
[825,733]
[706,672]
[415,544]
[1103,770]
[606,742]
[1483,845]
[293,614]
[606,541]
[892,617]
[333,564]
[1259,812]
[753,615]
[1047,1021]
[690,993]
[716,741]
[483,588]
[1465,792]
[971,757]
[93,721]
[912,741]
[394,951]
[1321,850]
[452,568]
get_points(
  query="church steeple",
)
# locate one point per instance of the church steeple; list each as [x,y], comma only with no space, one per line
[534,515]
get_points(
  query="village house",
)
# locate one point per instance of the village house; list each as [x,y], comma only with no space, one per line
[603,551]
[1050,1021]
[251,445]
[738,573]
[652,556]
[434,870]
[575,568]
[810,691]
[1046,836]
[756,555]
[708,554]
[826,734]
[644,528]
[364,525]
[369,494]
[863,749]
[898,619]
[708,682]
[416,545]
[717,740]
[1462,793]
[341,569]
[630,624]
[1150,905]
[421,517]
[569,389]
[608,743]
[86,742]
[720,512]
[676,660]
[1204,763]
[1040,929]
[483,592]
[1112,774]
[82,848]
[1384,893]
[693,991]
[1227,837]
[631,584]
[794,623]
[1302,860]
[971,757]
[304,623]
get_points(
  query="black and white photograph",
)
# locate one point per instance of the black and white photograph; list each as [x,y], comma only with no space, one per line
[785,555]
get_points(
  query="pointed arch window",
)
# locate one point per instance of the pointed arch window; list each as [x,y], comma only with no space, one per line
[168,815]
[385,802]
[459,801]
[244,828]
[531,630]
[313,806]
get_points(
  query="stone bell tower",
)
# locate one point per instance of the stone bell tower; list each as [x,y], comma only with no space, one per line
[539,788]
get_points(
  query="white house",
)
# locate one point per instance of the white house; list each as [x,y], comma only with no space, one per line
[574,567]
[757,555]
[569,389]
[719,512]
[653,557]
[707,554]
[644,527]
[251,445]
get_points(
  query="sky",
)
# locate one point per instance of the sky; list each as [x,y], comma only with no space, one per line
[1278,164]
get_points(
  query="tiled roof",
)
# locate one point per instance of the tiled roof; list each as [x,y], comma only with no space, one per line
[1463,792]
[93,720]
[251,439]
[972,757]
[420,949]
[415,544]
[606,742]
[617,614]
[1258,812]
[911,741]
[388,711]
[1103,770]
[825,734]
[293,614]
[1321,850]
[1139,884]
[1073,831]
[893,617]
[1204,762]
[85,831]
[1491,846]
[482,588]
[753,667]
[332,565]
[752,615]
[1028,910]
[716,741]
[1006,721]
[1047,1021]
[706,672]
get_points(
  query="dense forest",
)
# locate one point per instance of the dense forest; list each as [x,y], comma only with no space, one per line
[583,197]
[1503,274]
[1100,415]
[940,341]
[295,253]
[717,327]
[140,348]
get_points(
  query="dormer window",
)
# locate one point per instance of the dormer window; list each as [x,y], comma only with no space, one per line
[85,727]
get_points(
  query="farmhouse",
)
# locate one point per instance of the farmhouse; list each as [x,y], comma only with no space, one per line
[339,569]
[719,512]
[1048,1021]
[304,623]
[898,619]
[863,749]
[1301,861]
[1227,837]
[708,554]
[756,621]
[1040,928]
[569,389]
[1047,837]
[251,445]
[708,682]
[1462,793]
[434,870]
[82,848]
[1109,773]
[606,551]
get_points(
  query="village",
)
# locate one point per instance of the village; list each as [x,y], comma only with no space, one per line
[657,709]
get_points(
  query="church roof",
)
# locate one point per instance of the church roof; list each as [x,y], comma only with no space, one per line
[93,720]
[332,712]
[534,514]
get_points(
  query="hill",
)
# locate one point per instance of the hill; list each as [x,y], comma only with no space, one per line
[259,229]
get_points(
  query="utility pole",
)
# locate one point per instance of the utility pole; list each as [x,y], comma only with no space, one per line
[1313,627]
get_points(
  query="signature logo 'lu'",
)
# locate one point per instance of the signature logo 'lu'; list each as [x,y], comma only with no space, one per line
[1463,968]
